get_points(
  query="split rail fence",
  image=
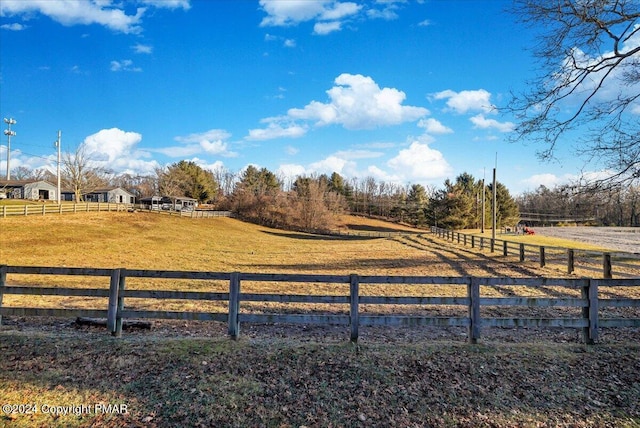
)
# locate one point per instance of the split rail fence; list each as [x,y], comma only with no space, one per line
[64,208]
[587,299]
[627,265]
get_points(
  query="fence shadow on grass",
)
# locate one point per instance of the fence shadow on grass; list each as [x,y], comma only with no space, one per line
[318,237]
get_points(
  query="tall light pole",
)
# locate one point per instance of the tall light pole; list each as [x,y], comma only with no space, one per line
[9,133]
[484,188]
[57,145]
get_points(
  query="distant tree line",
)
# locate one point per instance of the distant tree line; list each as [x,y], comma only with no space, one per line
[305,202]
[614,206]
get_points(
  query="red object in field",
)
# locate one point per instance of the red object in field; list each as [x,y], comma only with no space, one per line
[529,231]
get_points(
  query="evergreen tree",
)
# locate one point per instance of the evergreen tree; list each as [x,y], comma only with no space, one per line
[417,202]
[186,178]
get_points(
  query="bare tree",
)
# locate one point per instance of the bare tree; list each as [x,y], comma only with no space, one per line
[81,174]
[589,51]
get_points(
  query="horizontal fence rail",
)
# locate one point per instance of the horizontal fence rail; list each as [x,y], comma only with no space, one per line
[64,208]
[44,209]
[587,299]
[627,265]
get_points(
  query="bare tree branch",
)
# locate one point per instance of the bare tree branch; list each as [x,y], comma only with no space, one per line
[589,85]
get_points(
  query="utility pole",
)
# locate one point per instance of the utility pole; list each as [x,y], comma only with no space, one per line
[57,145]
[494,205]
[484,187]
[9,133]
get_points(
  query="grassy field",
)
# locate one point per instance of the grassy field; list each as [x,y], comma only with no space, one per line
[190,374]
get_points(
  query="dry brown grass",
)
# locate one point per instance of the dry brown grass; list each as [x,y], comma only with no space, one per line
[152,241]
[189,374]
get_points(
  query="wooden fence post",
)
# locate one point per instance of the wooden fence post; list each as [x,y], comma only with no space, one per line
[113,301]
[590,312]
[44,209]
[543,262]
[3,283]
[505,248]
[354,299]
[570,261]
[521,252]
[473,293]
[465,240]
[120,308]
[473,241]
[481,243]
[606,266]
[492,244]
[234,305]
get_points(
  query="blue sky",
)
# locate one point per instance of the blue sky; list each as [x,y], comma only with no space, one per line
[403,91]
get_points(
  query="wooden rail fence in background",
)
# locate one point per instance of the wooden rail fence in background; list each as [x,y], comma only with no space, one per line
[44,209]
[590,301]
[627,264]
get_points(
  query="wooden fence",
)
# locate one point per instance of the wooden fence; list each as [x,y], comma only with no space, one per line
[588,303]
[44,209]
[627,265]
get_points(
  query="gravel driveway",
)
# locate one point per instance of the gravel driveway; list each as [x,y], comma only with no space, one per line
[616,238]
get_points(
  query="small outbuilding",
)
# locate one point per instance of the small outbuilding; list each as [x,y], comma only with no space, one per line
[168,203]
[29,189]
[113,195]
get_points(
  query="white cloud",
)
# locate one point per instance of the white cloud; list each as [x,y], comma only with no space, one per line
[547,180]
[420,162]
[292,12]
[211,142]
[179,151]
[142,49]
[425,23]
[329,15]
[82,12]
[323,28]
[124,65]
[332,164]
[276,130]
[482,122]
[111,144]
[212,134]
[115,149]
[433,126]
[291,170]
[358,154]
[290,150]
[339,10]
[289,43]
[13,27]
[465,101]
[357,102]
[168,4]
[71,12]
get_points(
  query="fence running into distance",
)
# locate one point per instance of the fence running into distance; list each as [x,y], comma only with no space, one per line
[44,209]
[595,303]
[627,264]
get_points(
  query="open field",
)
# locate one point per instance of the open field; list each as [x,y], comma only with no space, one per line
[190,374]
